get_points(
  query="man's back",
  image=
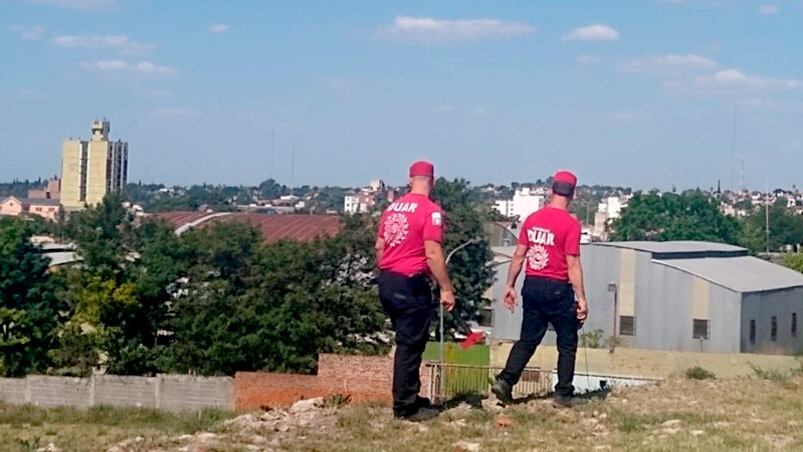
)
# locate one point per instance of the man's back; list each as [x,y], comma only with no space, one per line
[405,225]
[550,234]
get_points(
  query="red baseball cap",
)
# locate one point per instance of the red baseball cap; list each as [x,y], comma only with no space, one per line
[563,183]
[422,168]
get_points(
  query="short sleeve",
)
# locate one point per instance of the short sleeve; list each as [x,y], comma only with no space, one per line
[433,226]
[572,245]
[523,237]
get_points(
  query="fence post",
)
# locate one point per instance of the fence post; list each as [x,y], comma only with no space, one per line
[92,390]
[158,388]
[28,394]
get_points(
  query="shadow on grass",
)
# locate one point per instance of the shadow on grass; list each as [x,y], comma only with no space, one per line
[474,399]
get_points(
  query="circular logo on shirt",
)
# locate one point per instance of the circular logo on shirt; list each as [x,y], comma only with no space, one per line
[537,257]
[396,229]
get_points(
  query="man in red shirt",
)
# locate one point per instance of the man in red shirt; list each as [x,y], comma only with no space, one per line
[408,250]
[549,246]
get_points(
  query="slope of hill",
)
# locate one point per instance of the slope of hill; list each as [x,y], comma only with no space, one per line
[760,413]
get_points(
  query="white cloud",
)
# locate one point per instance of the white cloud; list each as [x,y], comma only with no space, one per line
[425,29]
[219,28]
[122,66]
[596,32]
[146,67]
[29,33]
[86,5]
[669,63]
[737,78]
[175,112]
[624,116]
[589,59]
[769,10]
[123,44]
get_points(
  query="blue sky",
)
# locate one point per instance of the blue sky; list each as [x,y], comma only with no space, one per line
[639,93]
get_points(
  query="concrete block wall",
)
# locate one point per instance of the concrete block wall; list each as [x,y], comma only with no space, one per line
[363,378]
[13,390]
[116,390]
[167,392]
[49,391]
[186,392]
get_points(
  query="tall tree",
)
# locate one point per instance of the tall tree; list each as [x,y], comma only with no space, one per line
[249,307]
[785,228]
[669,216]
[28,306]
[471,266]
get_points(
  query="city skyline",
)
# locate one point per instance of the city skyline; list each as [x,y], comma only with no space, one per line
[650,94]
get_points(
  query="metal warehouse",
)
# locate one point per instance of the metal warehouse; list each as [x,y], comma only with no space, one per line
[682,296]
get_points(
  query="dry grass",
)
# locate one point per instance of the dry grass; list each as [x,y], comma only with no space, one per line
[706,415]
[27,428]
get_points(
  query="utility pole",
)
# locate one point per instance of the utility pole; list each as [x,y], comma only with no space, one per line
[767,219]
[272,153]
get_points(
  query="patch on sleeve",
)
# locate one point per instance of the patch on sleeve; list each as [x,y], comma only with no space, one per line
[436,219]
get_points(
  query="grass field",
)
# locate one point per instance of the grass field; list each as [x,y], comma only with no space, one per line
[28,428]
[754,414]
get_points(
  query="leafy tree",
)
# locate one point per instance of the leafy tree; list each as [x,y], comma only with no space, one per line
[27,301]
[96,305]
[270,189]
[786,228]
[101,233]
[669,216]
[470,267]
[794,261]
[249,307]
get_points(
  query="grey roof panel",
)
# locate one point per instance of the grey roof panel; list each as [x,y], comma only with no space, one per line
[681,246]
[680,249]
[740,274]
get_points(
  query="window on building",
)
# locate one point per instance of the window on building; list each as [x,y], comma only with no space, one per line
[794,324]
[627,325]
[700,329]
[774,329]
[753,331]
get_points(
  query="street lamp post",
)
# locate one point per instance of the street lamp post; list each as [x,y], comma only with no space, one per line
[448,258]
[615,290]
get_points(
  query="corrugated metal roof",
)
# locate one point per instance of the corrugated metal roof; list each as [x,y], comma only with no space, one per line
[680,246]
[33,201]
[274,228]
[740,274]
[59,258]
[680,249]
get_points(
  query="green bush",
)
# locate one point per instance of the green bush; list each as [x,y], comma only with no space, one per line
[698,373]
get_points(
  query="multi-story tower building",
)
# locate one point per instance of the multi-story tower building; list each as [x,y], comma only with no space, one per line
[92,169]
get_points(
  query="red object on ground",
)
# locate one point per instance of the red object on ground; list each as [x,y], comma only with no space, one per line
[473,338]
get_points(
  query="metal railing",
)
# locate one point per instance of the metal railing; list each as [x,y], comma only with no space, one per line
[448,381]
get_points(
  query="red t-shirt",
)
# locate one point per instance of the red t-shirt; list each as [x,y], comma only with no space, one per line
[404,226]
[550,235]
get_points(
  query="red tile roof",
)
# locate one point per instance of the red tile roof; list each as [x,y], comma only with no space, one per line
[274,227]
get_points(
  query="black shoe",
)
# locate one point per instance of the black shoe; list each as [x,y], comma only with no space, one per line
[568,401]
[420,415]
[503,391]
[423,402]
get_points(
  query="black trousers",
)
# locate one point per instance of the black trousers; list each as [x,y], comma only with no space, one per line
[546,301]
[408,302]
